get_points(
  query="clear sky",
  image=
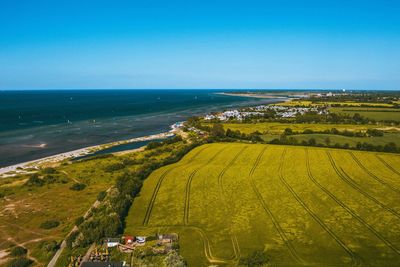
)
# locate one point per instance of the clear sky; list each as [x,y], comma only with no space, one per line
[200,44]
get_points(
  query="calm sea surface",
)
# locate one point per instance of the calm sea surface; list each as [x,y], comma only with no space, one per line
[35,124]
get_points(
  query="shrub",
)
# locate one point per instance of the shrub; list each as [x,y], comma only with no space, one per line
[50,246]
[288,131]
[19,262]
[18,251]
[77,187]
[34,180]
[173,259]
[49,170]
[79,220]
[71,238]
[101,195]
[308,131]
[312,142]
[50,224]
[257,258]
[114,167]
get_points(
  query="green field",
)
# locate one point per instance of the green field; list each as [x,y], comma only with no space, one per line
[340,139]
[279,128]
[370,113]
[303,206]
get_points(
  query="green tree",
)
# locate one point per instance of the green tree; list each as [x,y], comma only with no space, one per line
[217,130]
[327,141]
[173,259]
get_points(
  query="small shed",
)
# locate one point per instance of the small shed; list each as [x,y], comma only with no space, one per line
[112,242]
[129,240]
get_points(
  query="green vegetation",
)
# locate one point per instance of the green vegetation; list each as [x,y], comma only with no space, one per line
[19,262]
[294,205]
[378,114]
[49,224]
[277,128]
[77,187]
[18,251]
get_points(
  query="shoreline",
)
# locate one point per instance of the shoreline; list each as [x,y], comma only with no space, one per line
[253,95]
[32,165]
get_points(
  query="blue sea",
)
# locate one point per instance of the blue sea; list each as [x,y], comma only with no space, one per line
[39,123]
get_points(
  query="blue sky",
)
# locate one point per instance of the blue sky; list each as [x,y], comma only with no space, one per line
[200,44]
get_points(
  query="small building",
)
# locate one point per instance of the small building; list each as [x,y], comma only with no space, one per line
[168,238]
[112,242]
[129,240]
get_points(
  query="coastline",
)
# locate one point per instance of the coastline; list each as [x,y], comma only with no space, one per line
[252,95]
[33,165]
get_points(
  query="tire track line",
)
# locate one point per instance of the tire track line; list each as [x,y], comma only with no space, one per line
[158,185]
[188,185]
[356,260]
[346,178]
[264,205]
[221,188]
[393,188]
[349,210]
[388,165]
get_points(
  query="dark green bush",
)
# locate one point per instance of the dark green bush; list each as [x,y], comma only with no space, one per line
[257,258]
[51,246]
[18,251]
[34,180]
[79,220]
[77,187]
[114,167]
[50,224]
[101,195]
[19,262]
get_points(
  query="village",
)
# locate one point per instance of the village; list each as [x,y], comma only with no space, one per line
[258,111]
[105,254]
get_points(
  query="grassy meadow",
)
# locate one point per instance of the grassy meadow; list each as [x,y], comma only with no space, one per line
[25,208]
[278,128]
[303,206]
[370,113]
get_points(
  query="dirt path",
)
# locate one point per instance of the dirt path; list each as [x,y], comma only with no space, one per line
[57,255]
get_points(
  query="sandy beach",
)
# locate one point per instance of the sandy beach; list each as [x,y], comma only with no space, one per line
[29,166]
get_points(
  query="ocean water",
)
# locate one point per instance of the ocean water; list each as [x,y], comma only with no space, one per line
[39,123]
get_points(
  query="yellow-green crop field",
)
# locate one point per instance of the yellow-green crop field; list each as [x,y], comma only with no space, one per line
[278,128]
[303,206]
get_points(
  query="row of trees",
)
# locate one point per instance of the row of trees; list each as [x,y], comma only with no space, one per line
[389,147]
[369,132]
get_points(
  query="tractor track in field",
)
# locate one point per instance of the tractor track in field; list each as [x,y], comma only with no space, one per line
[235,244]
[356,260]
[188,185]
[277,226]
[222,173]
[388,165]
[349,210]
[205,239]
[157,188]
[346,178]
[373,176]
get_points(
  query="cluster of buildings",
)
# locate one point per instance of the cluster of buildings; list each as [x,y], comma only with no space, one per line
[232,114]
[279,111]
